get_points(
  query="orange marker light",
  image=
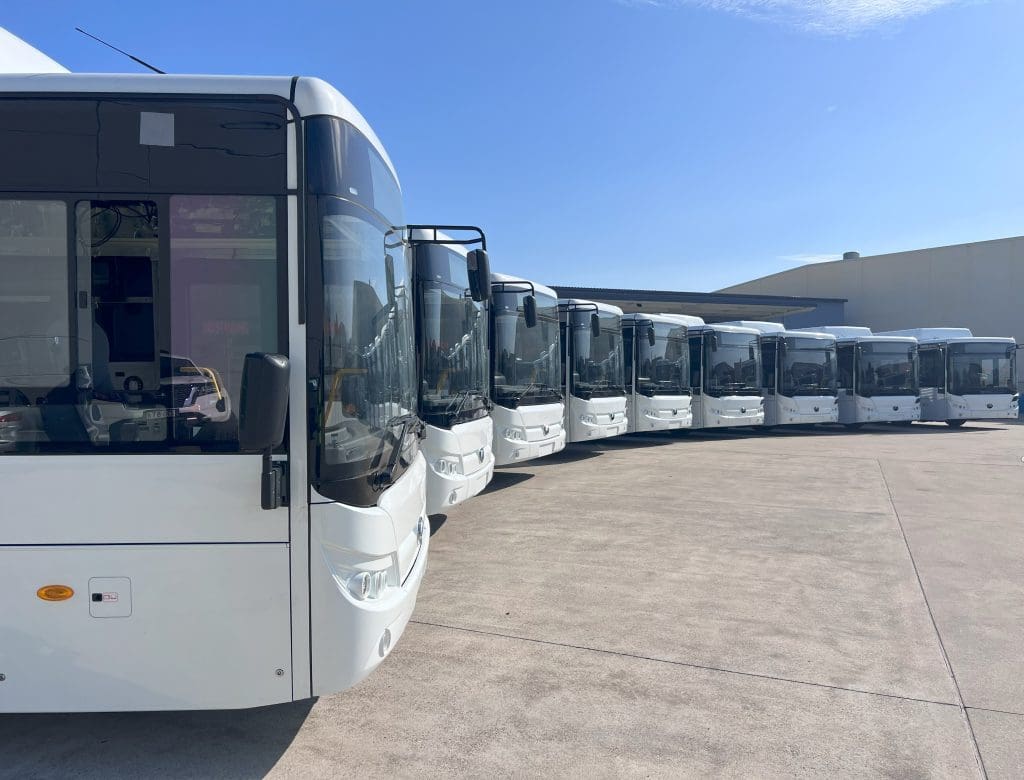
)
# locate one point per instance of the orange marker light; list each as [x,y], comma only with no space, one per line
[55,593]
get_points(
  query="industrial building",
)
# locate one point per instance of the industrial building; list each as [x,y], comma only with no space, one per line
[976,286]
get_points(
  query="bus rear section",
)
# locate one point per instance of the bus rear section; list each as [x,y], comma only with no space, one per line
[152,556]
[594,372]
[526,368]
[657,372]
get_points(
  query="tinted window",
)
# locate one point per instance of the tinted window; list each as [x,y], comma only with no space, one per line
[933,372]
[844,363]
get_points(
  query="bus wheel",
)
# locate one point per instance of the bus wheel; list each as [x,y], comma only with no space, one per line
[955,423]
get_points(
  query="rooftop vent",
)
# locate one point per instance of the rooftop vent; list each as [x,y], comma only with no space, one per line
[851,255]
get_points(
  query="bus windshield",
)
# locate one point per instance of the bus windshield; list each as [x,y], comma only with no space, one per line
[733,364]
[452,339]
[367,367]
[980,368]
[808,366]
[527,363]
[664,368]
[597,365]
[886,368]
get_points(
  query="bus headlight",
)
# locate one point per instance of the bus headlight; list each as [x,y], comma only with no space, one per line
[588,419]
[447,466]
[368,585]
[515,433]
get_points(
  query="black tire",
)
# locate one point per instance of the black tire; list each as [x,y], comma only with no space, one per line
[955,423]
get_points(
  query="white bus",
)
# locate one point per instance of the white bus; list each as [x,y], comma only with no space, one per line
[657,372]
[725,375]
[965,377]
[593,377]
[798,375]
[877,376]
[451,293]
[184,261]
[526,370]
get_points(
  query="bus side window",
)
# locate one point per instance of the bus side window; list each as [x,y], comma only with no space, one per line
[844,362]
[932,374]
[627,340]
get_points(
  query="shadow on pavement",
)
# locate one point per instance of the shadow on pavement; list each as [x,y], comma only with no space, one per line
[436,521]
[222,743]
[506,479]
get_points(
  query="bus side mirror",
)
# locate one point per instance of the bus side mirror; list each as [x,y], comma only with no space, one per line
[262,413]
[479,267]
[530,311]
[650,337]
[389,278]
[595,325]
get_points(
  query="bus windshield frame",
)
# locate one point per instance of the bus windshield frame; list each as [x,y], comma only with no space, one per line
[664,367]
[979,367]
[886,368]
[451,338]
[527,361]
[807,367]
[597,366]
[732,363]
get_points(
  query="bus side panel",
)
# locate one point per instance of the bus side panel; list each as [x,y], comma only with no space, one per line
[159,627]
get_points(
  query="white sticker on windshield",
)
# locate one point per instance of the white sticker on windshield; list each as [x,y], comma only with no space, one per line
[156,129]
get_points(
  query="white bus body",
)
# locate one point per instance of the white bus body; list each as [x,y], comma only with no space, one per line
[189,221]
[965,377]
[877,376]
[526,370]
[725,370]
[798,375]
[451,344]
[657,373]
[593,370]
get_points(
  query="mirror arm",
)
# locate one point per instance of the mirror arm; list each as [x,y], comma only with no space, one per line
[273,483]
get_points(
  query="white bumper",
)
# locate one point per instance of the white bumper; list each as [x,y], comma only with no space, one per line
[806,410]
[527,432]
[596,418]
[460,462]
[732,410]
[983,407]
[661,413]
[888,408]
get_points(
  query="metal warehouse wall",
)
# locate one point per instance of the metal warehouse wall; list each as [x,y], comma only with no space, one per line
[979,286]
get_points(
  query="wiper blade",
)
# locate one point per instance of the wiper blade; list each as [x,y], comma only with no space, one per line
[386,475]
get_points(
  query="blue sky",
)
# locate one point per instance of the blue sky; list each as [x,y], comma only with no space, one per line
[684,144]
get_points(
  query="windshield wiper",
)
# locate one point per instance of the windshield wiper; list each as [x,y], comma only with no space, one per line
[386,475]
[461,397]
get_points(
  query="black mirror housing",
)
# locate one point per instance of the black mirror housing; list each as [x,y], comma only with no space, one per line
[389,278]
[263,403]
[479,266]
[650,336]
[530,310]
[595,325]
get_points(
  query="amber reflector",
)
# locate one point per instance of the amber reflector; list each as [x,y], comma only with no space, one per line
[55,593]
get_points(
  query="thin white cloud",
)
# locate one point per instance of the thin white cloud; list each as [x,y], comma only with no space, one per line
[809,258]
[829,17]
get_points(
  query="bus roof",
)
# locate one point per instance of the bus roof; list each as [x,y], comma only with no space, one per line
[311,96]
[688,320]
[853,333]
[605,308]
[946,336]
[540,288]
[778,329]
[662,318]
[725,328]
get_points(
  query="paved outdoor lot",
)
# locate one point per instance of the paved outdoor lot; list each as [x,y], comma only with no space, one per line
[739,605]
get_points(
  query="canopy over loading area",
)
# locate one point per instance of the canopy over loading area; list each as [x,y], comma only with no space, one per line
[792,311]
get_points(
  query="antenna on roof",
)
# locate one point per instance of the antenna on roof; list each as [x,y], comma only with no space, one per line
[143,63]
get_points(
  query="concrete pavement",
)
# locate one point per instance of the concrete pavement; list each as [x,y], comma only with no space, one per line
[796,603]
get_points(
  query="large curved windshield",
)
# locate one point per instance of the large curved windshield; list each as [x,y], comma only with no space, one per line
[527,361]
[982,368]
[362,356]
[451,330]
[664,367]
[886,368]
[597,364]
[367,343]
[732,364]
[808,366]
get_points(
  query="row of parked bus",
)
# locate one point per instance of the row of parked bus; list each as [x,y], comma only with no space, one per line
[564,370]
[235,383]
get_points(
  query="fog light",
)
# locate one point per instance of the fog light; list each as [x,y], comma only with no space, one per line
[453,497]
[359,585]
